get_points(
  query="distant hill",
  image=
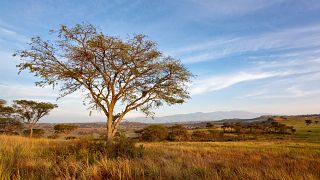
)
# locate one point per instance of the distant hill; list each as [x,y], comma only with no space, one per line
[199,116]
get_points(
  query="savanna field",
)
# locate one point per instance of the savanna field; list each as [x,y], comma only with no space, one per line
[294,156]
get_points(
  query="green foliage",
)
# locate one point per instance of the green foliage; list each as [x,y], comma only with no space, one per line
[30,112]
[125,148]
[209,125]
[200,135]
[154,133]
[265,127]
[308,122]
[36,132]
[178,133]
[65,128]
[10,126]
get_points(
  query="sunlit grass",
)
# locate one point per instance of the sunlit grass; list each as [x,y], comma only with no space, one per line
[36,159]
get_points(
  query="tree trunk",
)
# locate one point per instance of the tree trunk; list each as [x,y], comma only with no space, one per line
[109,130]
[109,136]
[31,132]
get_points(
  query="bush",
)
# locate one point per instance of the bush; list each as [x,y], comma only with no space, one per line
[70,137]
[53,136]
[36,132]
[154,133]
[125,148]
[65,128]
[10,126]
[178,133]
[209,125]
[200,135]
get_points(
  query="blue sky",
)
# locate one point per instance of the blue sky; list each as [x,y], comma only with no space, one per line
[253,55]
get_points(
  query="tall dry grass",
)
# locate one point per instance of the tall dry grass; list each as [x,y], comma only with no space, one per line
[24,158]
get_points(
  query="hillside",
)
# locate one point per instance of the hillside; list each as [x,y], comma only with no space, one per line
[199,116]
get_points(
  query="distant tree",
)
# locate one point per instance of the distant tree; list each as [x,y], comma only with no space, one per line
[65,128]
[293,130]
[209,125]
[31,111]
[8,124]
[35,132]
[119,74]
[237,127]
[200,135]
[308,122]
[154,133]
[5,111]
[178,133]
[225,126]
[316,122]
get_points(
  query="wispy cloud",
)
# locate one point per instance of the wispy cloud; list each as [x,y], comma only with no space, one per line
[10,36]
[300,85]
[216,9]
[284,40]
[14,91]
[224,81]
[299,73]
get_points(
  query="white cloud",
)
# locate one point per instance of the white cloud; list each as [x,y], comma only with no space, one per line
[216,9]
[220,82]
[284,40]
[11,35]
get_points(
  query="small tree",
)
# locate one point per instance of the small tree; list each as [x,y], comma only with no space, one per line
[178,133]
[117,74]
[8,124]
[65,128]
[35,132]
[31,111]
[209,125]
[308,122]
[200,135]
[316,122]
[154,133]
[5,111]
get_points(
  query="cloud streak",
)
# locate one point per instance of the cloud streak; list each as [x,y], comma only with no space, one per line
[9,35]
[285,40]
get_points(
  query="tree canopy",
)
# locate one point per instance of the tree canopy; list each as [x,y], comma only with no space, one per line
[117,75]
[8,124]
[30,112]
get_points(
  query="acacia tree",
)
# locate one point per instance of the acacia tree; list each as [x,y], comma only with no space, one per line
[5,111]
[117,76]
[8,124]
[31,111]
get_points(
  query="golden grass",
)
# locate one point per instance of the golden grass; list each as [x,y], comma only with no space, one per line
[24,158]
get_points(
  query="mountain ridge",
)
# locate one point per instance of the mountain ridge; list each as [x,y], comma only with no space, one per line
[199,116]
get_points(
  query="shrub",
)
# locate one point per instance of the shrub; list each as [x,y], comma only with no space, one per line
[125,148]
[70,137]
[209,125]
[308,122]
[10,126]
[178,133]
[53,136]
[36,132]
[65,128]
[199,135]
[154,133]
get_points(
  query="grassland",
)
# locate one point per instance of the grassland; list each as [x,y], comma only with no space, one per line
[304,132]
[292,158]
